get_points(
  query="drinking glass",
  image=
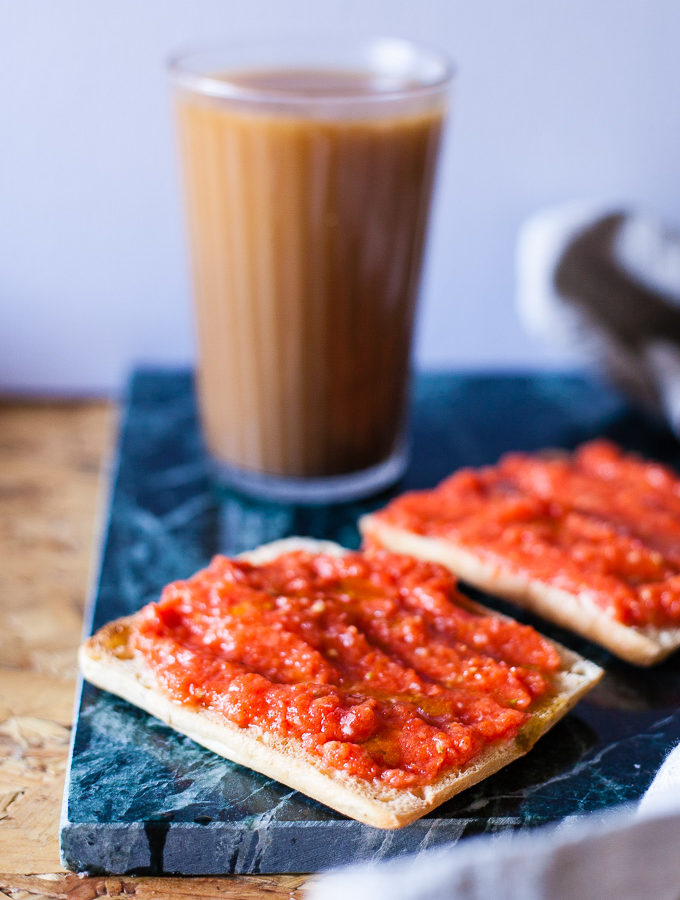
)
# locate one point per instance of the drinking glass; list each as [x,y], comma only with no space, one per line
[308,171]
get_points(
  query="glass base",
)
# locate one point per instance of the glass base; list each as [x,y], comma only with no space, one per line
[331,489]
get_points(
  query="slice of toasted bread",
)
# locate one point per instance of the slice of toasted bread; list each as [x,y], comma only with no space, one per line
[108,660]
[576,612]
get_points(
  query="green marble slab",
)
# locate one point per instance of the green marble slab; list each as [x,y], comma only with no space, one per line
[142,799]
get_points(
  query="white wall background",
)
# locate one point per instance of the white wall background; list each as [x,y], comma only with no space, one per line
[556,99]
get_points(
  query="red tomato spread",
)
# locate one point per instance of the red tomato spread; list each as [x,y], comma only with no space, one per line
[599,523]
[373,660]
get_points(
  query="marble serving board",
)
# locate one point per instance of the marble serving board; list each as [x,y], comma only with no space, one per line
[141,799]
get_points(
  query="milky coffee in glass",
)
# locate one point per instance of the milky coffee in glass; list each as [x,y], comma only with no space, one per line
[307,190]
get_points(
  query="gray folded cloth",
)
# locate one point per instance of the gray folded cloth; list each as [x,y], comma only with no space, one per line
[627,854]
[607,283]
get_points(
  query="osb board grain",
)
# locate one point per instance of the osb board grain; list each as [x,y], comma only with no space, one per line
[71,887]
[50,459]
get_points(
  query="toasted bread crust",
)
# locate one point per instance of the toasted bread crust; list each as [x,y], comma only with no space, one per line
[576,612]
[108,660]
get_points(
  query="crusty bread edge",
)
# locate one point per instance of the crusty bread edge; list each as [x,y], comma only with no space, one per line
[576,612]
[106,660]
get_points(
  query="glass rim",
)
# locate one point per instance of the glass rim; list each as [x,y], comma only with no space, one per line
[187,74]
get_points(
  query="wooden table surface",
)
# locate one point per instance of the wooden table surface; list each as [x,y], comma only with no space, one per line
[53,459]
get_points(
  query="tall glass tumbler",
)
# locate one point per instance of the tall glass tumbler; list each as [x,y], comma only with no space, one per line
[308,173]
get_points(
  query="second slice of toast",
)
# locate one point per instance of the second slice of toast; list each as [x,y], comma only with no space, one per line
[628,510]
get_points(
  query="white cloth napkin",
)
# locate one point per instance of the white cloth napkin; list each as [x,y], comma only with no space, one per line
[631,853]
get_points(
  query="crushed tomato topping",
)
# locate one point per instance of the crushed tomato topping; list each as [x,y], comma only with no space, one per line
[599,523]
[373,660]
